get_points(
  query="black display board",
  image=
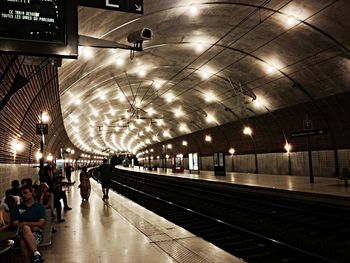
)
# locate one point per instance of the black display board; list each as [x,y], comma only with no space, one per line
[219,164]
[39,27]
[129,6]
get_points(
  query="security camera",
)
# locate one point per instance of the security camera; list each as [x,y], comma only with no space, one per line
[140,35]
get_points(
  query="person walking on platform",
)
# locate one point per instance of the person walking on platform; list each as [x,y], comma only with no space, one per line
[29,218]
[69,174]
[85,186]
[105,178]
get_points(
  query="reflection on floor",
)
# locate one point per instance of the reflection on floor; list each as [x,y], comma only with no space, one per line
[322,185]
[122,231]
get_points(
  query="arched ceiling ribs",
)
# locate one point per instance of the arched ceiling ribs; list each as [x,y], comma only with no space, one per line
[258,7]
[7,68]
[34,100]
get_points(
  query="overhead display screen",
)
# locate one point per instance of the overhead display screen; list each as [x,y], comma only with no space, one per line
[43,20]
[39,27]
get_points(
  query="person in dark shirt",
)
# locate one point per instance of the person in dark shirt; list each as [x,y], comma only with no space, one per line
[29,218]
[105,178]
[68,170]
[14,190]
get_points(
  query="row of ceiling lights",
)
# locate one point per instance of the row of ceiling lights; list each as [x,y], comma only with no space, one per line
[246,131]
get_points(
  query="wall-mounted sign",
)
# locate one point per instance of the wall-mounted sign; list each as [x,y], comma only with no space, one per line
[307,124]
[308,133]
[129,6]
[39,27]
[41,128]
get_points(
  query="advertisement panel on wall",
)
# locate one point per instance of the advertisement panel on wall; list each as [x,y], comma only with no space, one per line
[190,161]
[59,166]
[195,161]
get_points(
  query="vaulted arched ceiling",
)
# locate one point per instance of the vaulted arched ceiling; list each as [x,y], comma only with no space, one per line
[209,63]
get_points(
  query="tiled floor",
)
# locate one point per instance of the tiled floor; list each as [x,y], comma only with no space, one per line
[322,185]
[122,231]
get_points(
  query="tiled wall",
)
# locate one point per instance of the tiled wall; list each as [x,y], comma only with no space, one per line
[9,172]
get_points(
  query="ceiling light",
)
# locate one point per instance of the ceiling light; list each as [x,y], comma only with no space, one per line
[166,133]
[158,84]
[183,127]
[142,73]
[49,157]
[288,147]
[138,103]
[178,112]
[38,155]
[77,101]
[120,62]
[231,151]
[247,131]
[45,117]
[199,48]
[209,96]
[210,118]
[160,122]
[150,111]
[87,52]
[257,103]
[207,138]
[194,10]
[121,97]
[17,146]
[291,20]
[103,96]
[184,143]
[169,97]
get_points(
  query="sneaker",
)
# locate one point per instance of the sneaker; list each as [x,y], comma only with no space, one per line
[37,259]
[67,208]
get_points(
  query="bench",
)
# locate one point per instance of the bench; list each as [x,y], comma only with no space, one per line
[345,175]
[47,231]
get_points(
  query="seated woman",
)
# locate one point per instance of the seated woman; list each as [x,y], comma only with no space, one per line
[46,198]
[5,220]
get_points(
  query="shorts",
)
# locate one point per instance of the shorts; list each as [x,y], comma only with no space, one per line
[38,235]
[106,183]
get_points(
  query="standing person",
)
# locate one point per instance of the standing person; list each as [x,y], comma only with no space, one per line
[85,186]
[105,178]
[69,174]
[29,218]
[59,194]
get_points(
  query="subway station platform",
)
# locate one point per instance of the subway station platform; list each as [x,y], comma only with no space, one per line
[330,186]
[121,231]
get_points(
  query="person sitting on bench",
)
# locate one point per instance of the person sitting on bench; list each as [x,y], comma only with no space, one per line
[29,218]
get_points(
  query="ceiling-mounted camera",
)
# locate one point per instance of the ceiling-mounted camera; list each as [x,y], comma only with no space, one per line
[140,35]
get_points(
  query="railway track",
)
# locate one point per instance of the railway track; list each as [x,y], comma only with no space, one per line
[252,227]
